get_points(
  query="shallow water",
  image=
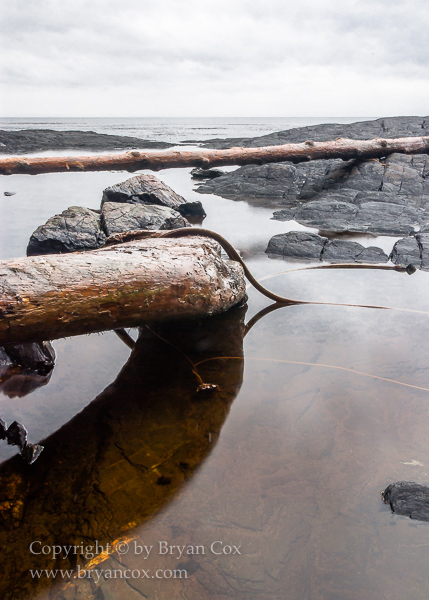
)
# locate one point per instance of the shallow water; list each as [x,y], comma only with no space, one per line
[285,461]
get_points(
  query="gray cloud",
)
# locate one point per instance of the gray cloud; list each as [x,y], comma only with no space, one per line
[221,57]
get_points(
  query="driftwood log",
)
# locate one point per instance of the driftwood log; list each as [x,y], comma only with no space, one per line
[343,148]
[46,297]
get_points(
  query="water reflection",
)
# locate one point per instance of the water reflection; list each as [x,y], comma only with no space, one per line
[296,475]
[126,454]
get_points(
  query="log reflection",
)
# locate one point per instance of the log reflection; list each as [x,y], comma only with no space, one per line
[126,454]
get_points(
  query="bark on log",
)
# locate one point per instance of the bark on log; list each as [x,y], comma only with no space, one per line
[46,297]
[343,148]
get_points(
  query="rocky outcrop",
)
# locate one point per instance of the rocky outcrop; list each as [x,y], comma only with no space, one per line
[39,140]
[357,196]
[148,189]
[76,228]
[363,130]
[119,217]
[303,245]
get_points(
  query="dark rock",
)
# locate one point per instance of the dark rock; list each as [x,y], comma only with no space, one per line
[5,361]
[338,251]
[206,173]
[31,452]
[9,193]
[17,435]
[409,499]
[76,228]
[119,217]
[406,251]
[38,140]
[37,356]
[194,211]
[148,189]
[25,367]
[297,244]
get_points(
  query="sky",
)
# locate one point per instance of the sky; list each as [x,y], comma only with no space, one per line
[197,58]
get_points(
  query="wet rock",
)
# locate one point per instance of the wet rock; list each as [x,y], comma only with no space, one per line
[38,140]
[297,244]
[76,228]
[25,367]
[338,251]
[9,193]
[406,251]
[409,499]
[119,217]
[17,435]
[31,452]
[148,189]
[37,356]
[206,173]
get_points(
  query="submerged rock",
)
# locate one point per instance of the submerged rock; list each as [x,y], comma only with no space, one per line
[409,499]
[119,217]
[76,228]
[303,245]
[148,189]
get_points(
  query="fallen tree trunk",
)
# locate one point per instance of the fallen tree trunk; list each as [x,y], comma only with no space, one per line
[343,148]
[46,297]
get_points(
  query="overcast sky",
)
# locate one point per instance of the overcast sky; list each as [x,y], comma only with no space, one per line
[143,58]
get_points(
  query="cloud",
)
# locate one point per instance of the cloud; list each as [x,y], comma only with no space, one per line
[213,57]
